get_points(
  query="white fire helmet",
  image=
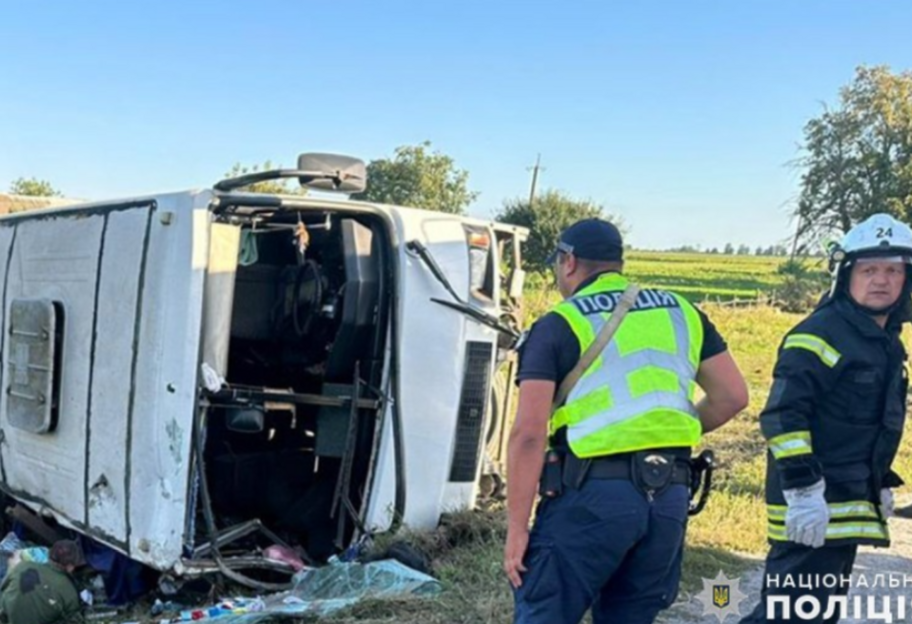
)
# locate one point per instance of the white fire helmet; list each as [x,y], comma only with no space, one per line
[878,236]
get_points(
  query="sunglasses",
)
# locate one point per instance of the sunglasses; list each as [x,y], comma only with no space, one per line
[562,248]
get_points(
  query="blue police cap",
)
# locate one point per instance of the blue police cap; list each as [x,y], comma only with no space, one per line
[591,239]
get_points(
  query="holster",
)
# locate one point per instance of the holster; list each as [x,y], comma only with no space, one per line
[550,484]
[701,471]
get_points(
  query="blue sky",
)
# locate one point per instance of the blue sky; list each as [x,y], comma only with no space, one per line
[681,116]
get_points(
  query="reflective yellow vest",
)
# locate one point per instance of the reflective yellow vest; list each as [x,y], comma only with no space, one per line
[638,394]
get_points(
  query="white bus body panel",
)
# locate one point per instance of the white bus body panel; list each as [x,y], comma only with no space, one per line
[432,345]
[129,276]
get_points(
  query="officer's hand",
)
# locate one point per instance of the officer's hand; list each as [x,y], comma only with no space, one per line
[514,551]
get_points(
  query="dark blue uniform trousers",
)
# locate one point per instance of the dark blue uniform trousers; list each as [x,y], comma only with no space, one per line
[802,562]
[604,546]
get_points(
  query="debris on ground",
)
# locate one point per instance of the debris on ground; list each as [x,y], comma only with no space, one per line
[13,550]
[317,591]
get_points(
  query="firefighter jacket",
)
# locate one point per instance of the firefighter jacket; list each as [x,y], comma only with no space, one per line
[836,410]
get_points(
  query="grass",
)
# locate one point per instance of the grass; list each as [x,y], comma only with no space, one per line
[699,277]
[707,276]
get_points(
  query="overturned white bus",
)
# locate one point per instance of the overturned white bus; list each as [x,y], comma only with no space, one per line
[181,370]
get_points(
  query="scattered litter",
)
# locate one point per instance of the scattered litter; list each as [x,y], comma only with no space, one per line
[8,546]
[35,554]
[378,579]
[354,552]
[211,379]
[11,543]
[234,607]
[120,580]
[322,591]
[317,591]
[286,555]
[167,586]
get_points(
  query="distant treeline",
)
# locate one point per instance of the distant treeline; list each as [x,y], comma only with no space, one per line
[741,250]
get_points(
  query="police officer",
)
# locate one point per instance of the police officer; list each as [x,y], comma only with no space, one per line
[833,422]
[613,539]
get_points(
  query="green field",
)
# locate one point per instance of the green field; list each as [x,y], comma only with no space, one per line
[702,278]
[706,276]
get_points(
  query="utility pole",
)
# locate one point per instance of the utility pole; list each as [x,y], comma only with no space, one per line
[795,240]
[535,171]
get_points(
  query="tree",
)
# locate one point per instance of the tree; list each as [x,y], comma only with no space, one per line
[729,249]
[415,176]
[275,187]
[550,213]
[34,188]
[743,250]
[858,156]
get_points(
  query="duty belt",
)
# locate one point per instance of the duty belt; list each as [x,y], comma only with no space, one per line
[649,471]
[620,468]
[626,467]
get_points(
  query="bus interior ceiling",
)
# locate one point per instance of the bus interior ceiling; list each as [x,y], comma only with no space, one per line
[309,318]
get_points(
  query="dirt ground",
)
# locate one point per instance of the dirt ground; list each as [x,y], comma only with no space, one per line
[896,560]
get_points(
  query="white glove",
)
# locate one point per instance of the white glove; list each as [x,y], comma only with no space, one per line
[886,502]
[807,515]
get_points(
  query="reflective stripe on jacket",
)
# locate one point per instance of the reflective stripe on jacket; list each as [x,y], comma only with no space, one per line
[638,394]
[836,411]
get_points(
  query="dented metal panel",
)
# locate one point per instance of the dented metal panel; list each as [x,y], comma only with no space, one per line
[164,378]
[129,278]
[30,370]
[105,487]
[55,258]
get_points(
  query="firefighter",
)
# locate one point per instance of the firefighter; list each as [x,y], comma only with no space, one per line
[609,531]
[834,419]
